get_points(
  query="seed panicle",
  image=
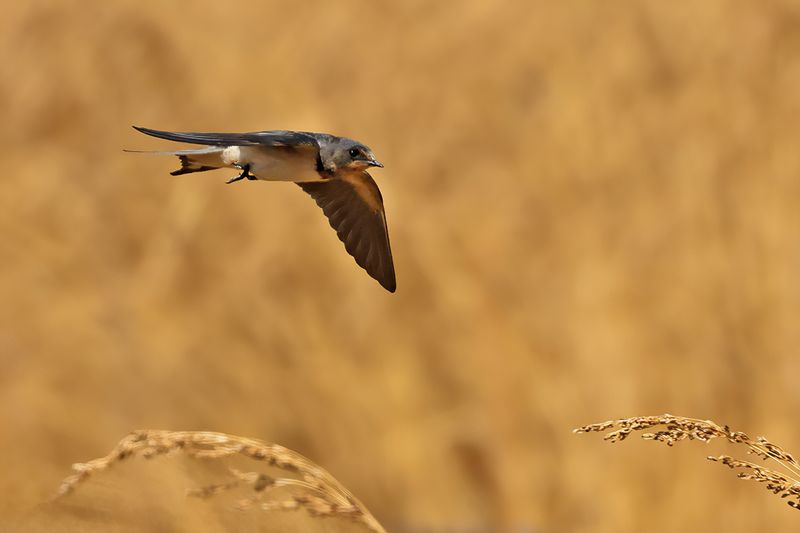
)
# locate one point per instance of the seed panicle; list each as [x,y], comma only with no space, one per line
[316,491]
[670,429]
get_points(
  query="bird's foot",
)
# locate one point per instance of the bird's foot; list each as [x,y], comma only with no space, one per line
[245,174]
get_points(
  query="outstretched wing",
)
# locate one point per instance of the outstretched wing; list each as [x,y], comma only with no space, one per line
[259,138]
[354,207]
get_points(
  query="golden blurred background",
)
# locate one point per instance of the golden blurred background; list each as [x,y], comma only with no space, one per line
[594,214]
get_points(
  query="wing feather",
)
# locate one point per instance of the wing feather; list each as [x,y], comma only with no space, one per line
[260,138]
[354,208]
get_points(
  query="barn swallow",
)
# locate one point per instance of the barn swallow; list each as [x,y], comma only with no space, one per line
[333,170]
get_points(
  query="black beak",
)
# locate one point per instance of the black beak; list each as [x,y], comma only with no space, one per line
[374,163]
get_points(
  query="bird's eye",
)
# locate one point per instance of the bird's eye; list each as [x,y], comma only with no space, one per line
[355,152]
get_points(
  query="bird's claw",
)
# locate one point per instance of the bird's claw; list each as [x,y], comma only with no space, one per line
[245,174]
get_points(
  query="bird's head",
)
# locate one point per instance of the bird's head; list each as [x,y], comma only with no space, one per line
[352,155]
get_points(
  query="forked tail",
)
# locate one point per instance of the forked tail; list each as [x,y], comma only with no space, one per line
[197,160]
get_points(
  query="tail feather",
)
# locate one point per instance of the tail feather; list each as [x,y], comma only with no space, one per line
[199,160]
[191,164]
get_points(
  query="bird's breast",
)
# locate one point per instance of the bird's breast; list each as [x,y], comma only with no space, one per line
[279,163]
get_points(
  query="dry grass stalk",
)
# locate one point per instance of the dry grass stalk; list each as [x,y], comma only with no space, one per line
[314,489]
[785,483]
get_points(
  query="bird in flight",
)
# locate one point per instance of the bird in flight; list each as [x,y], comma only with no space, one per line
[333,170]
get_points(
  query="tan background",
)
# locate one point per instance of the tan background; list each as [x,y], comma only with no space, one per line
[594,213]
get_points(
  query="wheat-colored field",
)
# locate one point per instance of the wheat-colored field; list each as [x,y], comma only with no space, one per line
[594,210]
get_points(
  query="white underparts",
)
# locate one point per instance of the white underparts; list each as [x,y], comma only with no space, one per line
[264,162]
[268,163]
[231,156]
